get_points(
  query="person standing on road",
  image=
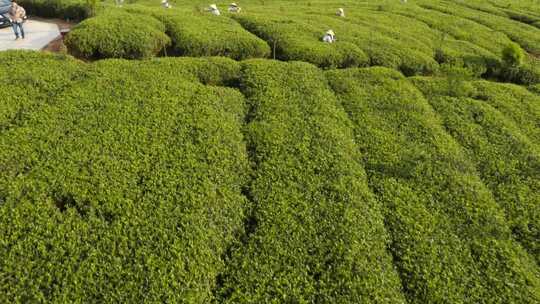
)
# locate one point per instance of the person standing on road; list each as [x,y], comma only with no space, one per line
[17,15]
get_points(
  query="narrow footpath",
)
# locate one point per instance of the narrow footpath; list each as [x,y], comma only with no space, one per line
[38,35]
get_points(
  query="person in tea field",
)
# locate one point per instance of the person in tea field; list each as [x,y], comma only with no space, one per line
[329,37]
[119,3]
[340,12]
[214,10]
[234,8]
[17,14]
[165,4]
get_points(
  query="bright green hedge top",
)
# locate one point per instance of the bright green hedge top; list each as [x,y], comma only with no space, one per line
[317,235]
[116,34]
[450,239]
[124,187]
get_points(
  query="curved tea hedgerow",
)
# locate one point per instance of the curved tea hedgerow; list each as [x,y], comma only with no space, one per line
[317,234]
[515,102]
[217,71]
[213,36]
[74,10]
[527,36]
[299,41]
[449,237]
[117,34]
[127,187]
[508,163]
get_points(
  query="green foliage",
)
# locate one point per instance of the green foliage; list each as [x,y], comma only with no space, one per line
[34,80]
[317,231]
[524,34]
[457,78]
[124,187]
[513,55]
[507,160]
[516,102]
[292,40]
[446,229]
[74,10]
[202,34]
[150,181]
[116,34]
[213,36]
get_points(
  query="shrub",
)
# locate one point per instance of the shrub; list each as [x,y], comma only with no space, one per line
[34,80]
[117,34]
[317,231]
[516,102]
[200,34]
[294,40]
[445,227]
[127,187]
[513,55]
[524,34]
[74,10]
[213,36]
[217,71]
[504,157]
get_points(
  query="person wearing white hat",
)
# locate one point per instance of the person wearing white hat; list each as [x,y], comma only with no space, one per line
[165,4]
[340,12]
[214,10]
[329,37]
[234,8]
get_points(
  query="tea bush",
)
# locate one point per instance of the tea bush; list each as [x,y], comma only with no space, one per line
[198,34]
[291,40]
[74,10]
[446,229]
[317,233]
[117,34]
[34,79]
[127,186]
[213,36]
[527,36]
[507,160]
[516,102]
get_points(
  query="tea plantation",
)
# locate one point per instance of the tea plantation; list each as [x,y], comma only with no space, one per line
[174,156]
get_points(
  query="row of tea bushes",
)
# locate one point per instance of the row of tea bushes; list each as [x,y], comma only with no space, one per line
[317,234]
[74,10]
[515,102]
[508,162]
[298,37]
[196,34]
[124,187]
[293,40]
[118,34]
[527,36]
[450,240]
[416,44]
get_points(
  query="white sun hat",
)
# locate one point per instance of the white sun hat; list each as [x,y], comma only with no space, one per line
[330,32]
[213,6]
[233,4]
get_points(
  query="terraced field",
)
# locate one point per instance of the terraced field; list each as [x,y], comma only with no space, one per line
[176,156]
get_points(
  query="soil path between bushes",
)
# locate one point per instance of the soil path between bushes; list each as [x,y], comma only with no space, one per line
[41,34]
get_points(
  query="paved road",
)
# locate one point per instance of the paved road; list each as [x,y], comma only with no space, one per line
[38,35]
